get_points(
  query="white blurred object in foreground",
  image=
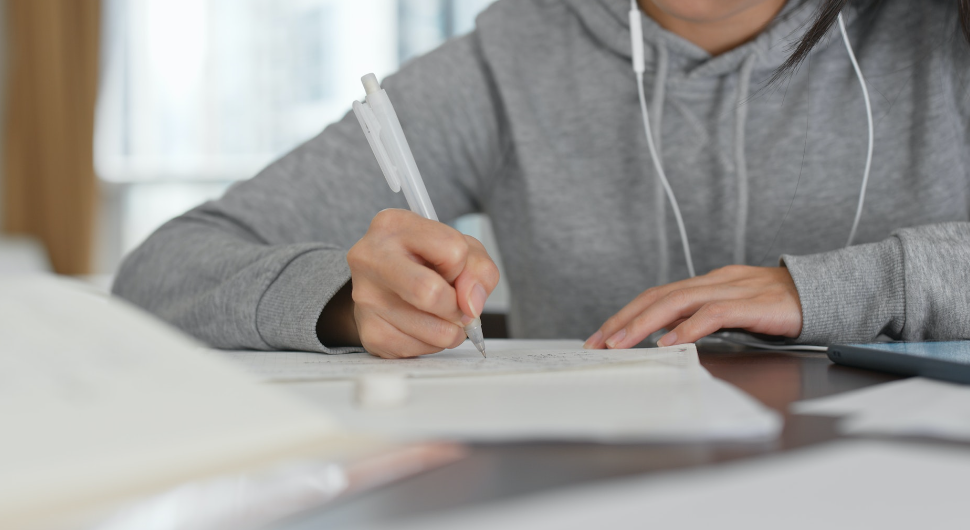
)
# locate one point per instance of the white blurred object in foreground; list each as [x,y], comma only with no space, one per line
[858,484]
[910,407]
[101,403]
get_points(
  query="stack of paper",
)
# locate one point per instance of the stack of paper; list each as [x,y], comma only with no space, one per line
[504,357]
[531,390]
[629,404]
[910,407]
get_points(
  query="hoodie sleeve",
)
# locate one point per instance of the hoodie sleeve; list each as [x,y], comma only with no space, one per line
[254,269]
[913,286]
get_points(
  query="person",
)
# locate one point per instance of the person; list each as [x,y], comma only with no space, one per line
[533,118]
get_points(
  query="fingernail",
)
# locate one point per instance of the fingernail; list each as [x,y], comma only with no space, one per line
[667,340]
[616,338]
[477,300]
[465,320]
[593,340]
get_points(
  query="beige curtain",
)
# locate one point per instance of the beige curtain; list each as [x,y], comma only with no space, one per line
[49,188]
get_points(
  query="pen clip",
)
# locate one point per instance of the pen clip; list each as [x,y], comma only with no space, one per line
[372,131]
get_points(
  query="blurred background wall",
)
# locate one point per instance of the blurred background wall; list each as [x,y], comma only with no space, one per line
[191,95]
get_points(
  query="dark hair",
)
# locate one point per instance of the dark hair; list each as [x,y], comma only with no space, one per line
[828,14]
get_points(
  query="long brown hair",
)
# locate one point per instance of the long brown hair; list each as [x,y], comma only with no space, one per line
[828,14]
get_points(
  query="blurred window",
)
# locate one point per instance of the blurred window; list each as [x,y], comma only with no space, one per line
[199,93]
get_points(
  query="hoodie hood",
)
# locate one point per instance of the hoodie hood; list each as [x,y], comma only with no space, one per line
[607,21]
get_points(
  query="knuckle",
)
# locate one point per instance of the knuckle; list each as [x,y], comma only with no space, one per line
[639,323]
[427,292]
[456,248]
[488,274]
[679,298]
[650,294]
[733,270]
[384,220]
[473,243]
[363,296]
[392,221]
[373,338]
[445,334]
[362,257]
[459,336]
[458,340]
[716,311]
[354,254]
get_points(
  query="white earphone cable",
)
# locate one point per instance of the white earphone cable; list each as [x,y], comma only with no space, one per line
[663,177]
[865,95]
[636,45]
[636,37]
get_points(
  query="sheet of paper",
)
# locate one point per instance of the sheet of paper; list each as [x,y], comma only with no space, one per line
[909,407]
[504,357]
[99,400]
[641,402]
[860,484]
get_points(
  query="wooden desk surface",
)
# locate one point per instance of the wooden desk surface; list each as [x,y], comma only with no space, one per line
[500,471]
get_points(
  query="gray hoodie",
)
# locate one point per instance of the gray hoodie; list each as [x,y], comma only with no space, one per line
[533,118]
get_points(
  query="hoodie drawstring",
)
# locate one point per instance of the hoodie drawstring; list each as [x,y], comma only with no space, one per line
[660,202]
[740,161]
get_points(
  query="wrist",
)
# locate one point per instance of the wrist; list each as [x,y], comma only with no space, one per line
[852,294]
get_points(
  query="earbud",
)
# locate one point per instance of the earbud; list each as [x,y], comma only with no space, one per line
[636,37]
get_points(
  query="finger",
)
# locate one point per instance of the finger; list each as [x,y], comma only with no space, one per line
[382,339]
[678,304]
[676,323]
[436,244]
[424,327]
[710,318]
[477,281]
[639,304]
[419,286]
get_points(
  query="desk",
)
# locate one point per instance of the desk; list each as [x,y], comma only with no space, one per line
[494,472]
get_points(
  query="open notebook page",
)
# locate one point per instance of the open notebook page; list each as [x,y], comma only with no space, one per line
[504,357]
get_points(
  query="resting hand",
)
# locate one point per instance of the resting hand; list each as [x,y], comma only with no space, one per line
[415,282]
[756,299]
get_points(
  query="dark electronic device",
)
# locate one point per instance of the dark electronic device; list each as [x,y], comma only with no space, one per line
[948,361]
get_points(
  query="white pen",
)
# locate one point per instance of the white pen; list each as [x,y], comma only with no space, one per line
[386,138]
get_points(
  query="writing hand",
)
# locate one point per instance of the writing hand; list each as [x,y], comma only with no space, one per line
[414,283]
